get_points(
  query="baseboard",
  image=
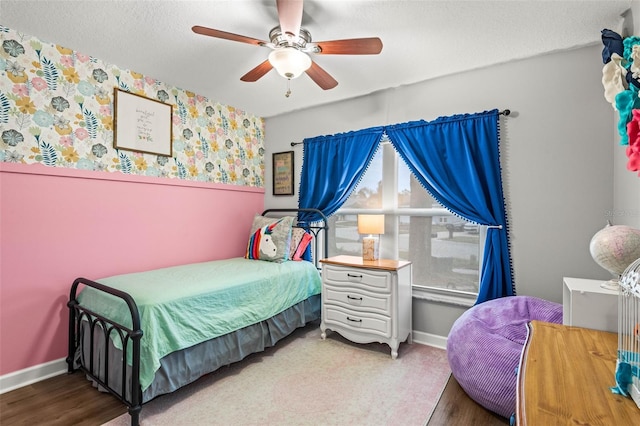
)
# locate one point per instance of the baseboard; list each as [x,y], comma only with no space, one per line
[30,375]
[430,339]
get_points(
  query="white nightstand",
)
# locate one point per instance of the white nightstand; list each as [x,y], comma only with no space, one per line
[367,301]
[586,304]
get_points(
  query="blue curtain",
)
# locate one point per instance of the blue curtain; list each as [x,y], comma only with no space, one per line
[332,166]
[457,160]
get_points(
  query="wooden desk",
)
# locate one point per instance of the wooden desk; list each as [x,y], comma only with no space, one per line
[565,378]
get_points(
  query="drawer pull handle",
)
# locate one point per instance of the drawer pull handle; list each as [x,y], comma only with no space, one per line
[354,320]
[354,276]
[354,298]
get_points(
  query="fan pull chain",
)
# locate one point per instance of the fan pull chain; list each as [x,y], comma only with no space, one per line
[288,92]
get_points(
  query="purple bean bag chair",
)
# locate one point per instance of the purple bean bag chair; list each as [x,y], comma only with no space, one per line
[485,344]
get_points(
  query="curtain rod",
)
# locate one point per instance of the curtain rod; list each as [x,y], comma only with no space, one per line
[504,112]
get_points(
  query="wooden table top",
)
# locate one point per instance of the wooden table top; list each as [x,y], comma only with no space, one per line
[358,262]
[566,377]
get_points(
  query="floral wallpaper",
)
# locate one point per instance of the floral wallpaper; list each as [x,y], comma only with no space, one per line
[56,109]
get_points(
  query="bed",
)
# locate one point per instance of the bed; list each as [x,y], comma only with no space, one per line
[138,344]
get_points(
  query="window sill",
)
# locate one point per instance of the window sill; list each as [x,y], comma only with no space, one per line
[448,297]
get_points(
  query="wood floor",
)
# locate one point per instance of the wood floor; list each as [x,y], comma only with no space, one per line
[455,408]
[69,399]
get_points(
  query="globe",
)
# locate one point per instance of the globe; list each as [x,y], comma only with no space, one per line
[615,247]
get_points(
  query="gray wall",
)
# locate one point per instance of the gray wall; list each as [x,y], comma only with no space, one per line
[557,156]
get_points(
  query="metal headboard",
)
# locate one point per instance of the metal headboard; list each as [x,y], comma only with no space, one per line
[317,228]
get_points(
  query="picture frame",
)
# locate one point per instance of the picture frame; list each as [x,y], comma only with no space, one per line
[283,173]
[142,124]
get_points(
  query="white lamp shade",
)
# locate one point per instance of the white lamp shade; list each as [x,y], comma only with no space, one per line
[289,61]
[371,224]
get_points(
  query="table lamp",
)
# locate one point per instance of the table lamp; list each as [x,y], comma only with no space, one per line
[373,225]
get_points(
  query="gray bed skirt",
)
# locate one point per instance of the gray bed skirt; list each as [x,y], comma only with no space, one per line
[183,367]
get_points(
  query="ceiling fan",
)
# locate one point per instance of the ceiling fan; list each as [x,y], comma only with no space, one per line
[291,46]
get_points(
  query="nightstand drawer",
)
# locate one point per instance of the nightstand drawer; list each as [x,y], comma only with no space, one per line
[352,298]
[370,323]
[372,280]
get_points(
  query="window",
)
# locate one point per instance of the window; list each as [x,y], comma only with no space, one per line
[444,249]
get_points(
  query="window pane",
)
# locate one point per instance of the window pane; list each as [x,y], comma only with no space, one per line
[443,256]
[444,249]
[344,237]
[410,192]
[404,184]
[368,193]
[444,253]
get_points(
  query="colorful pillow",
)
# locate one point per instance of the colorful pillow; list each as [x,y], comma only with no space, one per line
[270,239]
[296,237]
[302,246]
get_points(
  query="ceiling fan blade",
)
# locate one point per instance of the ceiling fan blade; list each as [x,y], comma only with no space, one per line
[227,36]
[321,77]
[258,72]
[353,46]
[290,16]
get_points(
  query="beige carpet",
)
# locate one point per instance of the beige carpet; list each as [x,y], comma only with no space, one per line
[308,381]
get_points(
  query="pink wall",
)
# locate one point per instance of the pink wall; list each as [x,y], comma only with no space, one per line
[57,224]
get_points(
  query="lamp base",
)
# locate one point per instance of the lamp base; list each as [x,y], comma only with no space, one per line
[370,248]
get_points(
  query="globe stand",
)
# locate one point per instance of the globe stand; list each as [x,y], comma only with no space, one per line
[612,284]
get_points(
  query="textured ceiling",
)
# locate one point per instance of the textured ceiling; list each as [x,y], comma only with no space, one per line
[422,40]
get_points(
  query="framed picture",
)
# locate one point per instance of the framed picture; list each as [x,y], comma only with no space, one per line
[283,173]
[142,124]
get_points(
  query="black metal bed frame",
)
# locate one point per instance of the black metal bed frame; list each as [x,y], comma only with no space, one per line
[310,227]
[101,326]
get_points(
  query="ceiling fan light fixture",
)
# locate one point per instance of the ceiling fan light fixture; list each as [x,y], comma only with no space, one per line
[289,62]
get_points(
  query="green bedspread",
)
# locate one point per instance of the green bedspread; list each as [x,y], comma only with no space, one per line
[185,305]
